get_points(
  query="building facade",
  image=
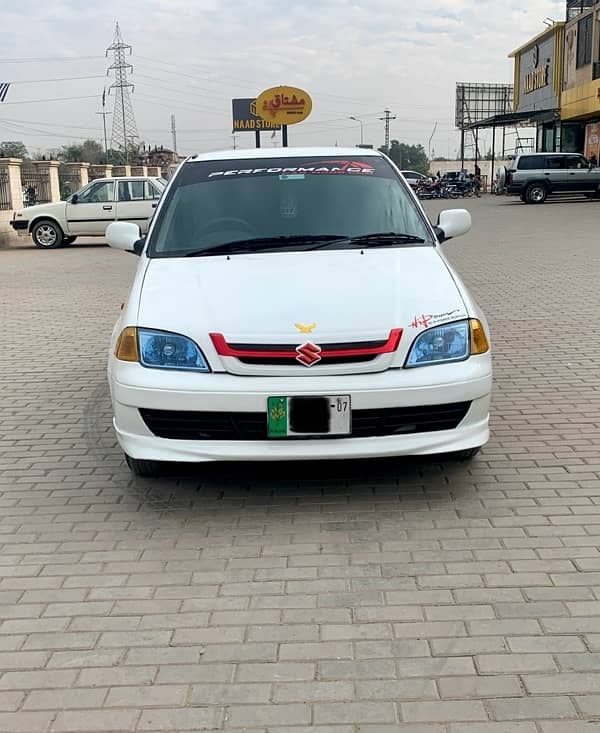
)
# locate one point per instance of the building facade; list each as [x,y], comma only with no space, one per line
[580,100]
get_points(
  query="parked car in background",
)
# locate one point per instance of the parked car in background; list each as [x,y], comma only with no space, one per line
[88,212]
[413,178]
[535,176]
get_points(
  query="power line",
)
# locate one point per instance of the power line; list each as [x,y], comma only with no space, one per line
[65,78]
[54,99]
[36,59]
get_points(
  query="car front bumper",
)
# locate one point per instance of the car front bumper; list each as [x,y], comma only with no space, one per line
[133,388]
[19,225]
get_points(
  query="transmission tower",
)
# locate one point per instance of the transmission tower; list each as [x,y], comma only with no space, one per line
[387,119]
[124,129]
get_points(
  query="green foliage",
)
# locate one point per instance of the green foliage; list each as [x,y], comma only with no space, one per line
[408,157]
[89,151]
[13,149]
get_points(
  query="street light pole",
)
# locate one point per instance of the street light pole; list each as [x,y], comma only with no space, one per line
[360,122]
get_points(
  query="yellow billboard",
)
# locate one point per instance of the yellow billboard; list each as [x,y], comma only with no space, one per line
[283,105]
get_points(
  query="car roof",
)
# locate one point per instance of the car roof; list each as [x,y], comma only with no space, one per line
[126,178]
[269,153]
[535,155]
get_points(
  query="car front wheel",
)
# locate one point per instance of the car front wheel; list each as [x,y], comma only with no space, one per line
[536,193]
[145,469]
[46,234]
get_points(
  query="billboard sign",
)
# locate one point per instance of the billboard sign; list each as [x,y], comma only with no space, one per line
[479,102]
[284,105]
[245,118]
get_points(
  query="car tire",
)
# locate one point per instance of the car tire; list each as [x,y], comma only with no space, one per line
[501,180]
[68,240]
[143,468]
[536,193]
[46,234]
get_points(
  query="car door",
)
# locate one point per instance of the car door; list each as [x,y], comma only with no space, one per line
[556,173]
[578,174]
[136,201]
[93,210]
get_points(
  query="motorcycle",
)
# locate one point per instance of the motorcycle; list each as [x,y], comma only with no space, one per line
[431,189]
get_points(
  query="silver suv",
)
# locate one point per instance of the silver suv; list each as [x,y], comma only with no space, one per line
[535,176]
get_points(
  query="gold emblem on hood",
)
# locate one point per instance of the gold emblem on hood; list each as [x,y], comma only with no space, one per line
[309,328]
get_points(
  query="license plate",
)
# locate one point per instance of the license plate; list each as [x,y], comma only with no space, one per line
[289,417]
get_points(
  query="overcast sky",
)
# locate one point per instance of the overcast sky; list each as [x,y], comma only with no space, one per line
[190,57]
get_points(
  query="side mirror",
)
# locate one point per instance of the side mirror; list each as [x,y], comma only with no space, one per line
[452,223]
[74,198]
[123,235]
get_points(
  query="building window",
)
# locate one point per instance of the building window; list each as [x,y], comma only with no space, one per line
[584,40]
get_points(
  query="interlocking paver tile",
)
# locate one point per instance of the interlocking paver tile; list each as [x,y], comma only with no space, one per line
[373,597]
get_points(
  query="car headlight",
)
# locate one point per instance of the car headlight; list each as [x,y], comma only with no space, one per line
[450,342]
[160,350]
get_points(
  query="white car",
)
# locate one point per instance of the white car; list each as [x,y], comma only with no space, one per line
[295,304]
[88,212]
[413,178]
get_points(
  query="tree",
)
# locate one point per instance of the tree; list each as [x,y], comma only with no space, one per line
[13,149]
[89,151]
[408,157]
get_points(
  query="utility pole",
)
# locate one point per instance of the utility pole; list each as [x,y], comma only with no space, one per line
[387,119]
[431,138]
[104,113]
[124,126]
[174,134]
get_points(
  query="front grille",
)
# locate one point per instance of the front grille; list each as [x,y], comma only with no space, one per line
[325,361]
[319,354]
[182,425]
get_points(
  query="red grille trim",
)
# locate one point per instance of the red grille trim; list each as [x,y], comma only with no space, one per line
[224,349]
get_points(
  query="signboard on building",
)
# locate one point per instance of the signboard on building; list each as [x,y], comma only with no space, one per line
[245,118]
[592,140]
[537,72]
[284,105]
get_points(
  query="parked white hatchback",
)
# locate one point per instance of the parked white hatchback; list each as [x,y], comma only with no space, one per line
[88,212]
[296,304]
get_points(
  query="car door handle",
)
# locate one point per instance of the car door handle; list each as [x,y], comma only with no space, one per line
[571,174]
[154,206]
[107,208]
[546,174]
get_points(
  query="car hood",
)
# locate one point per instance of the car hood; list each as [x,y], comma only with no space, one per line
[345,295]
[30,212]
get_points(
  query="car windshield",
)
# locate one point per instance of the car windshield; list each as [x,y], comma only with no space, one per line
[216,203]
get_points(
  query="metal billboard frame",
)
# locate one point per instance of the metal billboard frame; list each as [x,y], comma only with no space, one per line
[478,102]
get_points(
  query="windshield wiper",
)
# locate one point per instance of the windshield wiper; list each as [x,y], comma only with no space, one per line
[380,239]
[265,244]
[383,238]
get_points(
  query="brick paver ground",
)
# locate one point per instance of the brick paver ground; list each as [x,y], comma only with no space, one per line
[379,597]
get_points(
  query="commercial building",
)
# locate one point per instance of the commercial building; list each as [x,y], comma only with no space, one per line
[580,100]
[557,82]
